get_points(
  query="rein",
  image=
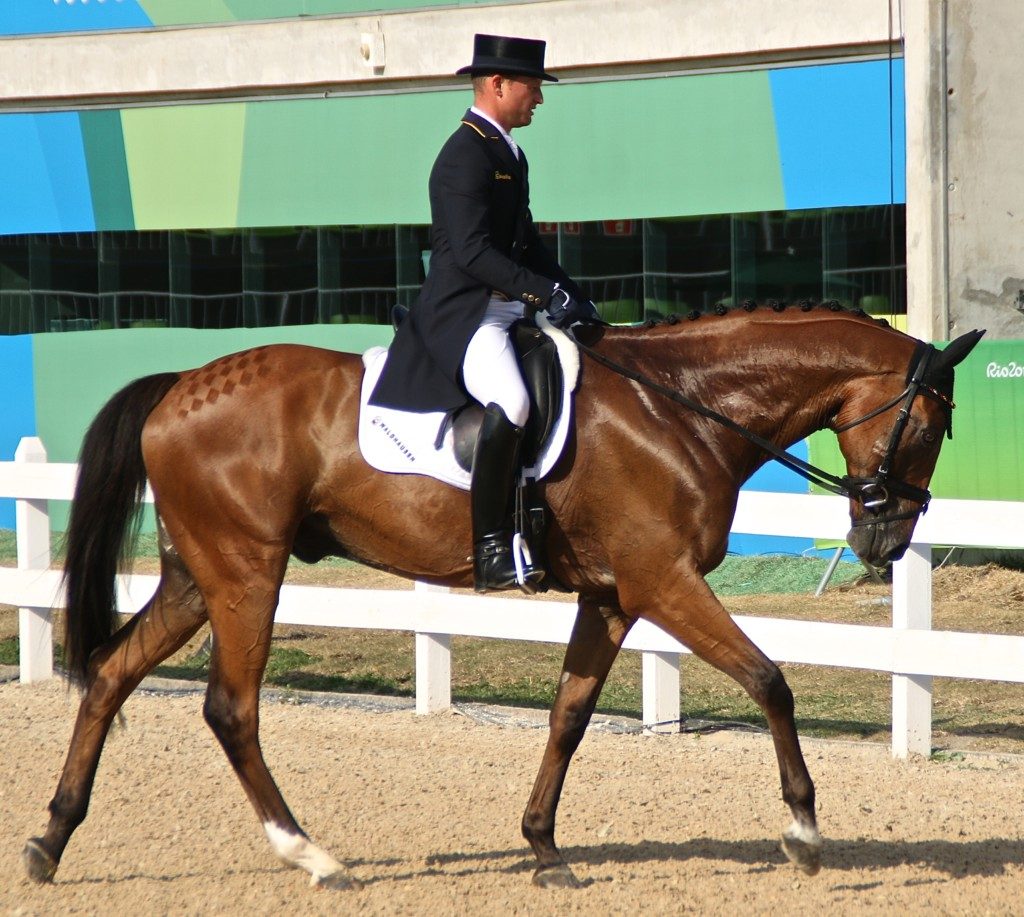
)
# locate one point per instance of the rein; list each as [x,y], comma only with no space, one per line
[871,492]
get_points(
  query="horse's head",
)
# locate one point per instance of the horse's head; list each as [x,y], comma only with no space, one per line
[891,439]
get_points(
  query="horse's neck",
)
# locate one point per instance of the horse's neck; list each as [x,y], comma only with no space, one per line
[781,377]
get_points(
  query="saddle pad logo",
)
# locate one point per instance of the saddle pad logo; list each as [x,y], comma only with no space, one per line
[378,421]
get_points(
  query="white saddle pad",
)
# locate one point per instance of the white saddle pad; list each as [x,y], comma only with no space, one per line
[402,442]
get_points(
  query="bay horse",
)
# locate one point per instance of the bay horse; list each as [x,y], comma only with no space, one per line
[254,457]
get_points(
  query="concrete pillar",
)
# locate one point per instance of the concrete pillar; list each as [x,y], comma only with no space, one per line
[924,28]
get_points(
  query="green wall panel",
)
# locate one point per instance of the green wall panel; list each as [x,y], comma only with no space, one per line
[103,139]
[188,12]
[354,160]
[660,147]
[184,164]
[183,12]
[667,146]
[276,9]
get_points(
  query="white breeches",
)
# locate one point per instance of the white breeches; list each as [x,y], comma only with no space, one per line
[490,370]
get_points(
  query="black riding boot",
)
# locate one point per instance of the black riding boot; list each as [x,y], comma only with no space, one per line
[495,463]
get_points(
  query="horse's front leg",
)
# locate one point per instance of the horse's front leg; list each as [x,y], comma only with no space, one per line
[595,642]
[683,605]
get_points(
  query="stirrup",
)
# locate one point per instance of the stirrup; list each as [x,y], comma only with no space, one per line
[527,575]
[501,562]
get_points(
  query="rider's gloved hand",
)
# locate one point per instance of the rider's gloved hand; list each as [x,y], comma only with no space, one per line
[563,310]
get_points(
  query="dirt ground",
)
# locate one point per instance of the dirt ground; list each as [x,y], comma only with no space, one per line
[425,812]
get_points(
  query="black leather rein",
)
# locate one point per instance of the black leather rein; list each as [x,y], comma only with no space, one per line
[871,492]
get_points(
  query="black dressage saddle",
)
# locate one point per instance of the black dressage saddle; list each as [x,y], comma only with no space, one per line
[542,374]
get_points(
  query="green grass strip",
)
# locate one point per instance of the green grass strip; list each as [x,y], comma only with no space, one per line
[754,575]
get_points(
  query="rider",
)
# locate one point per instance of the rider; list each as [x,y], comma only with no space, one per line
[488,268]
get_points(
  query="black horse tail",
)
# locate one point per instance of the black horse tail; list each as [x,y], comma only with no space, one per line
[105,516]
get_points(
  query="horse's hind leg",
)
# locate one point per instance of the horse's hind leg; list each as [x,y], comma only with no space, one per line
[173,615]
[701,623]
[595,642]
[241,616]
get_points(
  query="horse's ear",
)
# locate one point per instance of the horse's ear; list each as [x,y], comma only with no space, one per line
[955,353]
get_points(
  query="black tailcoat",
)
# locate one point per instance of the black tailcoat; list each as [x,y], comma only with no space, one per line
[483,238]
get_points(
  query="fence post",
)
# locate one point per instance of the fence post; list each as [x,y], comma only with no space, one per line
[433,665]
[660,674]
[32,521]
[912,694]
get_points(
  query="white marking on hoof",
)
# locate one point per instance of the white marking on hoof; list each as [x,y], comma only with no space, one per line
[805,834]
[802,844]
[300,851]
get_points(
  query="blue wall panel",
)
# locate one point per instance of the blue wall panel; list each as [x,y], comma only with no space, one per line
[60,137]
[28,17]
[833,126]
[46,182]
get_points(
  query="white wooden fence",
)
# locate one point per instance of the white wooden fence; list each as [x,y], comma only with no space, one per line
[910,650]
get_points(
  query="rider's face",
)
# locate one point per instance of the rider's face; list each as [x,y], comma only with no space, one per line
[518,96]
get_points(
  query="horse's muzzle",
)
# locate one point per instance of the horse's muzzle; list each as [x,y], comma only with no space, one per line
[880,544]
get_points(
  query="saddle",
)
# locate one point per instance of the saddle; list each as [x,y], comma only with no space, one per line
[538,363]
[542,375]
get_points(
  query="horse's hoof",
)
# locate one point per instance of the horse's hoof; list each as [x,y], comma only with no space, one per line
[339,881]
[803,847]
[39,865]
[560,876]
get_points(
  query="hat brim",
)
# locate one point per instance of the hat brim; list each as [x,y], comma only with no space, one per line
[504,67]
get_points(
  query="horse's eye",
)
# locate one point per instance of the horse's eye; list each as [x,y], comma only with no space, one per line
[928,436]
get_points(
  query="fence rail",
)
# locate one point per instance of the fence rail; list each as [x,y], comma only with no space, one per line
[909,650]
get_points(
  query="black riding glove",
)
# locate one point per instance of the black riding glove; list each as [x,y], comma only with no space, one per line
[564,311]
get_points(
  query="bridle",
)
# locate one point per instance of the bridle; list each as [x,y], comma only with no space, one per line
[872,492]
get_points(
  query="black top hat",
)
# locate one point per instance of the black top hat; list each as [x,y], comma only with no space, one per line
[497,54]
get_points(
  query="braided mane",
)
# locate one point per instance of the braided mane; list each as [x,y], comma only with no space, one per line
[750,305]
